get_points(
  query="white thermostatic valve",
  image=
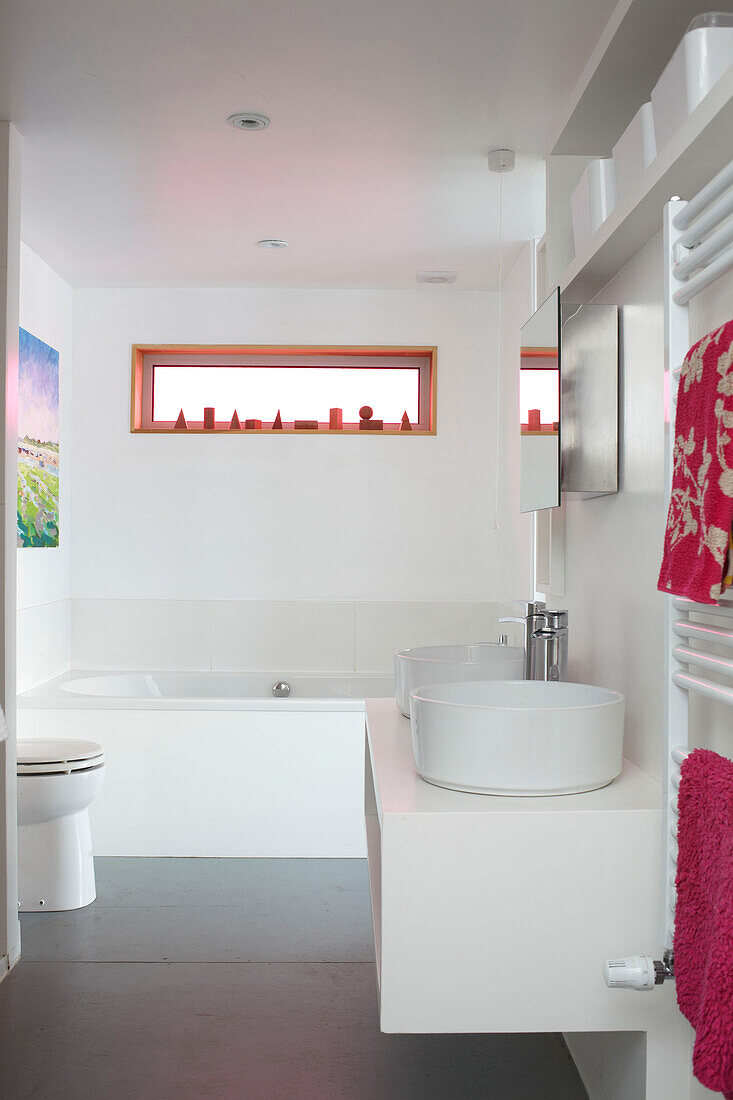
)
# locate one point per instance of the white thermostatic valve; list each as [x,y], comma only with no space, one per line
[635,972]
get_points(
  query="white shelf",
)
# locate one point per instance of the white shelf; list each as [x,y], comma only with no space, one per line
[639,39]
[700,148]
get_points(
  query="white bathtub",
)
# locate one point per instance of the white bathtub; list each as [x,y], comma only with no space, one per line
[209,690]
[210,764]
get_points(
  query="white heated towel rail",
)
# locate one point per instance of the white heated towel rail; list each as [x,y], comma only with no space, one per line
[698,244]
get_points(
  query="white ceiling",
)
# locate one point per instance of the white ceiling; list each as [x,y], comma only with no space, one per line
[374,165]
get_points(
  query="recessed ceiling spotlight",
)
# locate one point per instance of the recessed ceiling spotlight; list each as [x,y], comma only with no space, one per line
[248,120]
[437,276]
[272,242]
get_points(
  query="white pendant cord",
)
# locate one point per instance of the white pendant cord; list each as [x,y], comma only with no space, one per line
[498,357]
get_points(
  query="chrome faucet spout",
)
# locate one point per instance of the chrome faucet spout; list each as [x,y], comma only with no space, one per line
[545,641]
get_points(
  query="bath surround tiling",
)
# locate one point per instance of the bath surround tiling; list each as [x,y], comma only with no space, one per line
[307,635]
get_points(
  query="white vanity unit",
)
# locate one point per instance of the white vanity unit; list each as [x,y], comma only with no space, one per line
[495,913]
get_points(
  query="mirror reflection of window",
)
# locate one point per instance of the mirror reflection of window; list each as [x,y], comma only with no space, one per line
[539,408]
[539,392]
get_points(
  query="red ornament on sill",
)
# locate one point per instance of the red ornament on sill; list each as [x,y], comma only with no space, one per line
[405,426]
[336,419]
[533,420]
[234,422]
[252,424]
[181,422]
[305,425]
[209,419]
[277,422]
[366,424]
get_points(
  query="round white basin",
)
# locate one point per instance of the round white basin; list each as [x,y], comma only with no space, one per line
[521,737]
[454,664]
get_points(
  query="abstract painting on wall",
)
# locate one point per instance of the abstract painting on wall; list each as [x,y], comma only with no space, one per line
[38,443]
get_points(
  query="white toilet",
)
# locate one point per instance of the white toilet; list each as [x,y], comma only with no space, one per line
[57,780]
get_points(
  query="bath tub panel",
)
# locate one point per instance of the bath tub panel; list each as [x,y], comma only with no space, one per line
[221,782]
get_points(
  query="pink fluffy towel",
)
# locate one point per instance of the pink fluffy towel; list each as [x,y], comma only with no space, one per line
[701,504]
[703,942]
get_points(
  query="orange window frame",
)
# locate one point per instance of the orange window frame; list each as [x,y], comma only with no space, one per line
[144,358]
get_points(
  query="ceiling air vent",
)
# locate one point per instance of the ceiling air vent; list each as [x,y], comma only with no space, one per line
[437,276]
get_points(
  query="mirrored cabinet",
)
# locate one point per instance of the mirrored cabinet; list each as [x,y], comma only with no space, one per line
[568,395]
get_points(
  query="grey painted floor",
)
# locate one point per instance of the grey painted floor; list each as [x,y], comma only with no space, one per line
[205,979]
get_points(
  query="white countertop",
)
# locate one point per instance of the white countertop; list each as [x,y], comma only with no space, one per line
[400,790]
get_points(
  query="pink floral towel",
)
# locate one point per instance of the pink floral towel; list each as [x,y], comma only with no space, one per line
[701,505]
[703,939]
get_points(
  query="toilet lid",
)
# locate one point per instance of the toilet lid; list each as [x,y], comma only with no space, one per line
[58,754]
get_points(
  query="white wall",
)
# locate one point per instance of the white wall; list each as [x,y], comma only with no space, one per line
[283,517]
[44,574]
[613,554]
[613,544]
[612,558]
[383,528]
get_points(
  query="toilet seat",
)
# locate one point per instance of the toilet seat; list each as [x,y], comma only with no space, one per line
[58,756]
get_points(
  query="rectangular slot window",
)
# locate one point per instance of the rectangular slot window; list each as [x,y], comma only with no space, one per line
[303,387]
[297,393]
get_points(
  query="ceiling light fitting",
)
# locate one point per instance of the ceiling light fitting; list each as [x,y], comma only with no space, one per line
[248,120]
[437,276]
[272,242]
[501,160]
